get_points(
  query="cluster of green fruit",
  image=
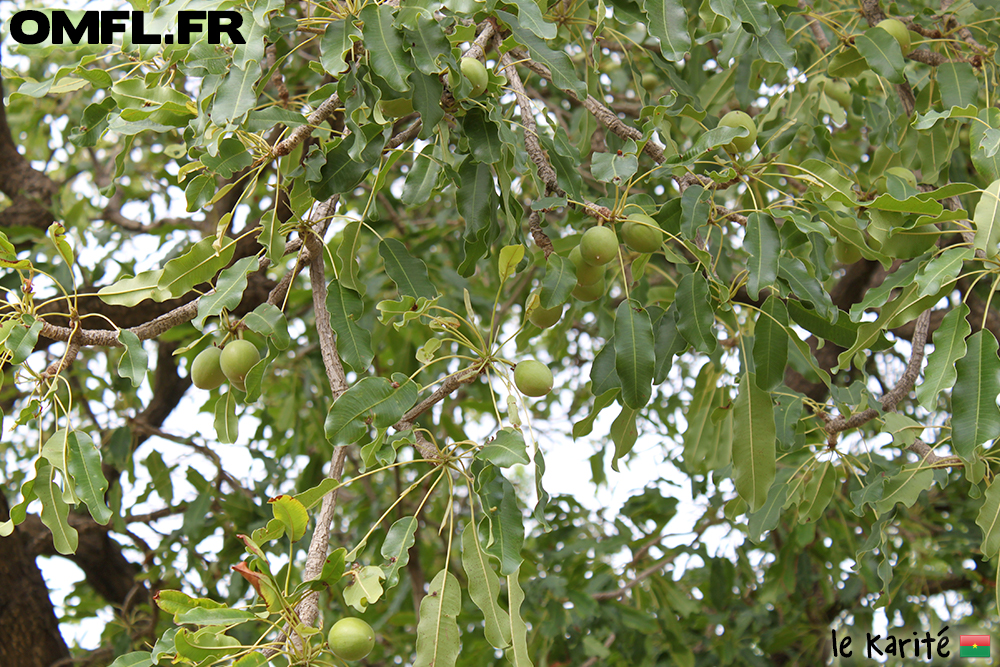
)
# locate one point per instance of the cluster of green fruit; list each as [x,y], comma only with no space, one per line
[351,639]
[213,366]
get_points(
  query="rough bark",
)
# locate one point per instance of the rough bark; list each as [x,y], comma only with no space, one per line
[29,629]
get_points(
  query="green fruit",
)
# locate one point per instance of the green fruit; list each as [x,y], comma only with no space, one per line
[238,357]
[586,274]
[397,108]
[740,119]
[543,318]
[533,378]
[845,252]
[899,31]
[475,72]
[641,233]
[650,81]
[589,292]
[206,373]
[351,639]
[599,245]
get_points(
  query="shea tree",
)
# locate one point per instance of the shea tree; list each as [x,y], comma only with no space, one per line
[302,333]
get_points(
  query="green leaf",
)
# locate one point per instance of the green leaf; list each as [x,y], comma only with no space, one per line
[989,520]
[603,376]
[770,344]
[624,434]
[228,292]
[134,659]
[484,588]
[347,252]
[987,220]
[175,602]
[198,265]
[88,477]
[703,447]
[904,487]
[384,46]
[942,270]
[543,497]
[422,178]
[333,567]
[55,511]
[134,361]
[563,73]
[354,342]
[338,40]
[517,655]
[372,399]
[159,475]
[696,313]
[766,518]
[848,63]
[426,42]
[129,292]
[341,172]
[559,281]
[635,357]
[366,587]
[437,629]
[764,246]
[292,515]
[408,272]
[226,422]
[57,233]
[268,320]
[959,84]
[483,135]
[223,616]
[753,15]
[949,347]
[232,157]
[753,442]
[882,52]
[199,192]
[667,21]
[396,548]
[505,449]
[806,287]
[668,344]
[530,16]
[506,525]
[21,340]
[510,257]
[817,493]
[235,96]
[774,47]
[975,416]
[614,168]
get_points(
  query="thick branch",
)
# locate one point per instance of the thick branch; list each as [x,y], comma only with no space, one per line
[902,388]
[300,133]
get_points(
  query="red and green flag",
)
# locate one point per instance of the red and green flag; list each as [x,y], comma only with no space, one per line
[974,646]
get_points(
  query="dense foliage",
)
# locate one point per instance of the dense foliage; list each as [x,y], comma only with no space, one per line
[376,229]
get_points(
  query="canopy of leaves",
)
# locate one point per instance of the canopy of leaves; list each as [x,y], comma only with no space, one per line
[810,355]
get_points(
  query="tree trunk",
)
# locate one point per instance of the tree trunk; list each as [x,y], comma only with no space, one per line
[29,630]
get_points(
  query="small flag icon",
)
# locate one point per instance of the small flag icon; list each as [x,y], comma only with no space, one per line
[974,646]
